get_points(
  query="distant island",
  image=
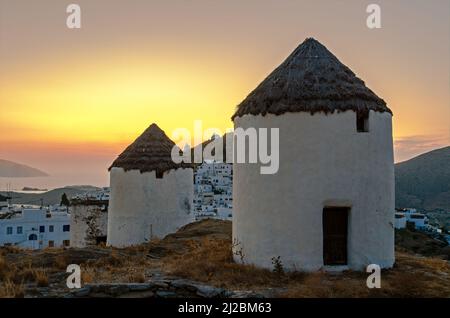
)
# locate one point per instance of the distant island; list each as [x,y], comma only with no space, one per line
[33,189]
[10,169]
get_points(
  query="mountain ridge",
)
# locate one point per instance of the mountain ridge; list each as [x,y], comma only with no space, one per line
[11,169]
[423,182]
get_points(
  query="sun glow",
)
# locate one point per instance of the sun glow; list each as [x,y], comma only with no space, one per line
[113,100]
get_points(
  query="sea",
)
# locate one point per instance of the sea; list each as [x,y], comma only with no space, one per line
[52,182]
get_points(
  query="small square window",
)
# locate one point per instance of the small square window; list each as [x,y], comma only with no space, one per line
[51,228]
[66,242]
[19,230]
[9,230]
[42,229]
[362,122]
[66,228]
[51,243]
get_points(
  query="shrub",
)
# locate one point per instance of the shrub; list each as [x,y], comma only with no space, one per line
[41,278]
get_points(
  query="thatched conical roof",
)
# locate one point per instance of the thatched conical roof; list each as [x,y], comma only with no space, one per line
[151,151]
[311,80]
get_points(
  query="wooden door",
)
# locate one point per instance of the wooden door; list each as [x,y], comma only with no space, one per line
[335,225]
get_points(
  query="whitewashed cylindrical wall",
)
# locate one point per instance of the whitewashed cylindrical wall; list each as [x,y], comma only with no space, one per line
[144,207]
[324,161]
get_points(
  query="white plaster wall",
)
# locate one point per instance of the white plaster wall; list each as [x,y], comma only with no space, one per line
[81,234]
[140,204]
[77,226]
[324,161]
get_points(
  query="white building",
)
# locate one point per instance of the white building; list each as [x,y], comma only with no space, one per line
[400,220]
[420,220]
[89,218]
[417,220]
[151,196]
[34,228]
[98,195]
[331,203]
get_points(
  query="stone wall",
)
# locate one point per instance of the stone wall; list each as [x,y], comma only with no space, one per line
[89,222]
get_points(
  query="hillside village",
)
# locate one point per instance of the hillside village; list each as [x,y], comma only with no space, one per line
[213,183]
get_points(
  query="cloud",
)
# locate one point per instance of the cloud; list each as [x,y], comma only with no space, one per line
[408,147]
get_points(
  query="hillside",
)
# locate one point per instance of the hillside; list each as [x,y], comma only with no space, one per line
[10,169]
[423,182]
[416,242]
[197,262]
[49,197]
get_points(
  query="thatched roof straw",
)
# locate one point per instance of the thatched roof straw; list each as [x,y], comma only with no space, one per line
[311,80]
[151,151]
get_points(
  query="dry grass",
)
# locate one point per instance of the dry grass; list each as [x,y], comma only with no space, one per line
[4,268]
[115,259]
[120,265]
[136,277]
[87,275]
[61,262]
[41,278]
[202,252]
[9,289]
[26,274]
[210,261]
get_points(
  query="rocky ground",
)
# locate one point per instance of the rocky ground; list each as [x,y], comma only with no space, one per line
[197,262]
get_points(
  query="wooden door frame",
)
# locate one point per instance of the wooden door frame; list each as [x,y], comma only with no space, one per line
[346,210]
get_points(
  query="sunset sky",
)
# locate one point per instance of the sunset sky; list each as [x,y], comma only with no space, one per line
[71,100]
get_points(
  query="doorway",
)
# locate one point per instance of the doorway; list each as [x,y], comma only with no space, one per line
[335,228]
[99,240]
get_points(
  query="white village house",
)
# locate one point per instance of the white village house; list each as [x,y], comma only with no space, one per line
[332,201]
[34,227]
[151,196]
[400,220]
[417,220]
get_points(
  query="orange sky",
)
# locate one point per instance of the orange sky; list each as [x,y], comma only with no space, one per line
[70,100]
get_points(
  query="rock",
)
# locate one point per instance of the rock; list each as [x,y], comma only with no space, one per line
[164,288]
[112,289]
[180,283]
[141,294]
[98,288]
[139,287]
[166,294]
[118,290]
[81,292]
[245,294]
[209,291]
[99,295]
[160,284]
